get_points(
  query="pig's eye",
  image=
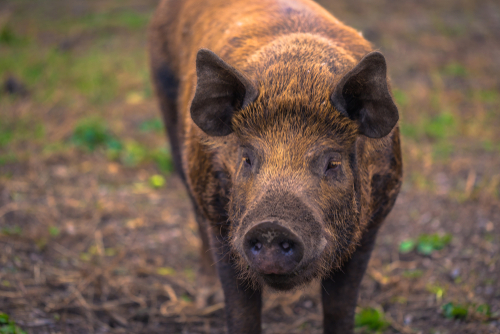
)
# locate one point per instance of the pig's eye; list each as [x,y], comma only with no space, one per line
[247,162]
[332,165]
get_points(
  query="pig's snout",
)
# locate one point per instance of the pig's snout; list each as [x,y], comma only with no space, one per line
[273,249]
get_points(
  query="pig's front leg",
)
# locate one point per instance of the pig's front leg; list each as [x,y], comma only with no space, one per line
[243,304]
[340,289]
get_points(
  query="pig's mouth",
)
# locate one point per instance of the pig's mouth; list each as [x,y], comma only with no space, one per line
[304,274]
[280,281]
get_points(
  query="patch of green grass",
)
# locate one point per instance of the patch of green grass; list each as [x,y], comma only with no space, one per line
[455,69]
[8,326]
[437,290]
[156,181]
[186,298]
[54,231]
[400,97]
[428,243]
[437,128]
[485,96]
[166,271]
[372,319]
[91,133]
[99,85]
[454,311]
[483,310]
[413,274]
[425,244]
[190,275]
[409,130]
[133,154]
[14,230]
[9,37]
[128,19]
[441,126]
[55,147]
[421,182]
[97,74]
[163,160]
[131,19]
[442,150]
[151,125]
[407,246]
[5,136]
[22,129]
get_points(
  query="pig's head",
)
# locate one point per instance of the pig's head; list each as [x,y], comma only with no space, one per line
[294,197]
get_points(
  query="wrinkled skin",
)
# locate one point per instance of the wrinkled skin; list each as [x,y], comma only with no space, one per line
[284,131]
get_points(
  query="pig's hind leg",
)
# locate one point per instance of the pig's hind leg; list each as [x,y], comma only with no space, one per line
[167,86]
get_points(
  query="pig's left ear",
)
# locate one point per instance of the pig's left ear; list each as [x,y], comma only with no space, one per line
[220,91]
[363,96]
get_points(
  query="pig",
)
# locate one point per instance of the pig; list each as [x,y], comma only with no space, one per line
[284,131]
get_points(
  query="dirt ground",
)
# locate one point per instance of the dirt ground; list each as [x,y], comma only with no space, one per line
[90,243]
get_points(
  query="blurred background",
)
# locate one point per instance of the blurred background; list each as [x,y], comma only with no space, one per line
[97,234]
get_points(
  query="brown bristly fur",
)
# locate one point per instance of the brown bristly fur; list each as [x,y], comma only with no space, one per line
[295,54]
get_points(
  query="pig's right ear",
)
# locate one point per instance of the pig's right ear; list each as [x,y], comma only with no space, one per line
[220,91]
[363,96]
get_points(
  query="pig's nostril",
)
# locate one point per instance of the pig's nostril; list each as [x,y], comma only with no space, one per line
[255,245]
[286,246]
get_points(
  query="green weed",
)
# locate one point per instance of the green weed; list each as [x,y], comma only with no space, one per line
[156,181]
[163,160]
[428,243]
[485,96]
[455,69]
[407,246]
[425,244]
[186,298]
[97,75]
[413,274]
[9,37]
[7,326]
[165,271]
[14,230]
[23,129]
[454,311]
[437,290]
[409,130]
[105,20]
[54,231]
[420,181]
[5,136]
[91,133]
[441,126]
[371,318]
[133,154]
[442,150]
[152,125]
[400,97]
[483,310]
